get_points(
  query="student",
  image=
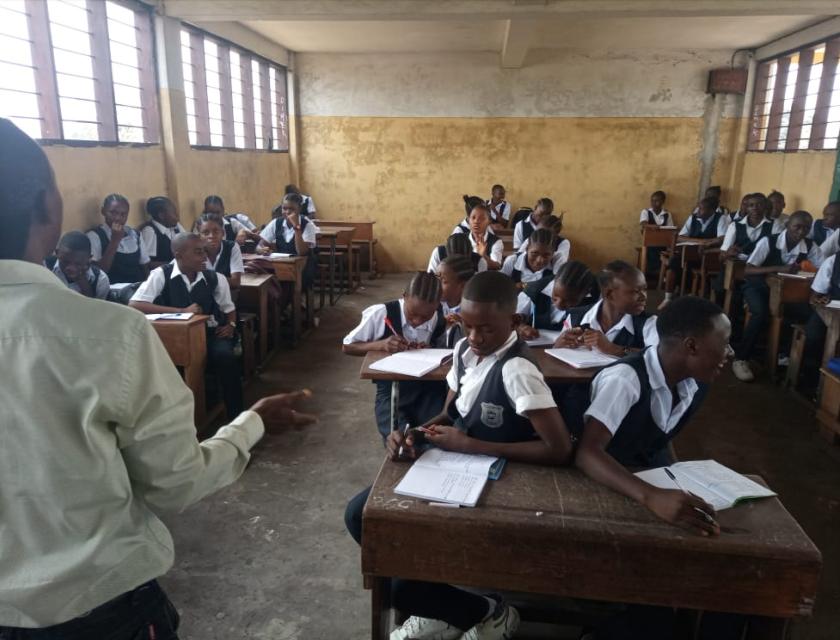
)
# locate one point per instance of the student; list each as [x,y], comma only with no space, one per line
[742,210]
[743,234]
[776,211]
[456,244]
[307,205]
[825,288]
[454,273]
[562,247]
[156,235]
[239,227]
[72,266]
[498,404]
[223,256]
[484,242]
[830,243]
[416,321]
[115,247]
[545,304]
[185,285]
[781,253]
[534,263]
[714,192]
[500,209]
[293,233]
[656,215]
[707,222]
[524,228]
[470,203]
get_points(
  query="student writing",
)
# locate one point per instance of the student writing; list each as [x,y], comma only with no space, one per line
[72,266]
[534,263]
[546,303]
[115,246]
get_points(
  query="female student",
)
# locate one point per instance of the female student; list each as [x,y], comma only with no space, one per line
[776,211]
[223,256]
[656,215]
[484,242]
[454,273]
[490,369]
[414,321]
[72,266]
[239,227]
[618,323]
[470,203]
[534,263]
[545,304]
[782,253]
[292,233]
[156,235]
[524,228]
[562,247]
[714,193]
[115,247]
[456,244]
[307,207]
[500,209]
[829,224]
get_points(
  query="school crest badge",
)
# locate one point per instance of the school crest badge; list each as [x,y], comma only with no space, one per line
[492,415]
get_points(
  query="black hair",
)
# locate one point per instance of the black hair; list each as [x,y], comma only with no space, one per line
[552,222]
[757,196]
[461,266]
[613,270]
[497,186]
[801,214]
[576,277]
[471,202]
[545,203]
[492,287]
[833,203]
[75,241]
[425,286]
[214,200]
[294,198]
[775,193]
[714,188]
[181,239]
[687,317]
[210,217]
[290,188]
[458,244]
[709,202]
[25,179]
[157,205]
[111,198]
[542,236]
[659,193]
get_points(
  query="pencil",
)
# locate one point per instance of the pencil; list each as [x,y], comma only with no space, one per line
[707,516]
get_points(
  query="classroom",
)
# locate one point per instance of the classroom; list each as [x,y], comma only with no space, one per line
[420,319]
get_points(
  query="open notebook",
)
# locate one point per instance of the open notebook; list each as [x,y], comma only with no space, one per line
[546,338]
[582,358]
[416,363]
[445,476]
[169,316]
[718,485]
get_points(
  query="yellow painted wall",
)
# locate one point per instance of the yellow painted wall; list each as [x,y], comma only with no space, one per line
[804,177]
[408,174]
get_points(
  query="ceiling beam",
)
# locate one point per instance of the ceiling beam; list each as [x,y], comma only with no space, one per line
[815,33]
[241,10]
[515,46]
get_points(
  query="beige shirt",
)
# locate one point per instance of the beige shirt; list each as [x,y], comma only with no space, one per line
[96,438]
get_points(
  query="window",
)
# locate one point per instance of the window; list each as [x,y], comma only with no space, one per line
[78,70]
[797,100]
[235,99]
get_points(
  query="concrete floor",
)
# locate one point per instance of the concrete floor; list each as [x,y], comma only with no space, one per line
[269,558]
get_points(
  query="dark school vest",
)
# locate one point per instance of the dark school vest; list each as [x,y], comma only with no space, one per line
[516,274]
[493,417]
[288,246]
[392,312]
[820,232]
[527,228]
[774,258]
[163,245]
[223,264]
[443,253]
[230,234]
[542,304]
[834,285]
[635,340]
[93,279]
[125,267]
[743,240]
[497,213]
[464,227]
[175,293]
[652,218]
[696,229]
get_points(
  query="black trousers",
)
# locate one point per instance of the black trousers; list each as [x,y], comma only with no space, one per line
[142,614]
[225,365]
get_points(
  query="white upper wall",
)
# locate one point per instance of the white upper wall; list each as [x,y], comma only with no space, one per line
[471,84]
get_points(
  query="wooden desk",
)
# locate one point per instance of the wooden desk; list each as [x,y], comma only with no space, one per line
[831,318]
[691,255]
[288,270]
[186,344]
[783,290]
[710,265]
[552,531]
[253,297]
[331,234]
[733,275]
[653,236]
[363,236]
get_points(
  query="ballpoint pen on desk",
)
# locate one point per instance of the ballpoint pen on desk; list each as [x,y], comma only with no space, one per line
[707,516]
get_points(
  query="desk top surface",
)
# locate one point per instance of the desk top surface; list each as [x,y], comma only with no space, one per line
[182,324]
[327,230]
[255,279]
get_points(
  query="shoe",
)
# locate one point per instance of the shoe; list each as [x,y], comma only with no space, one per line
[417,628]
[783,361]
[500,626]
[742,371]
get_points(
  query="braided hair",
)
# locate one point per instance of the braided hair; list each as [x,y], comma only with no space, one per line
[214,201]
[577,278]
[613,270]
[157,205]
[542,236]
[461,266]
[471,202]
[210,217]
[111,198]
[424,286]
[458,244]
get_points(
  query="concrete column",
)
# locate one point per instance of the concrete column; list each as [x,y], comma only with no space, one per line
[293,100]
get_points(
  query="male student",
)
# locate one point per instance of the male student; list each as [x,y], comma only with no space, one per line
[109,420]
[71,264]
[827,237]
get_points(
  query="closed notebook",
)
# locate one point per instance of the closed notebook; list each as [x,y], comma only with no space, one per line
[834,304]
[446,476]
[415,363]
[546,338]
[582,358]
[169,316]
[718,485]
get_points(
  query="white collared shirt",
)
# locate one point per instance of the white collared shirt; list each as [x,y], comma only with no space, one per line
[372,326]
[101,288]
[519,262]
[524,383]
[85,472]
[310,233]
[236,263]
[148,237]
[560,256]
[244,220]
[650,335]
[462,229]
[723,223]
[525,308]
[661,219]
[822,281]
[129,243]
[830,245]
[753,233]
[519,231]
[153,286]
[780,223]
[501,210]
[616,389]
[496,251]
[762,250]
[434,262]
[310,205]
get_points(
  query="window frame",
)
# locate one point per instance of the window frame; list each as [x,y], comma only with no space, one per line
[246,56]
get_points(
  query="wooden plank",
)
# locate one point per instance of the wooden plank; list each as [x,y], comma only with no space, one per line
[774,125]
[103,82]
[226,96]
[832,52]
[44,68]
[202,114]
[186,344]
[759,103]
[797,112]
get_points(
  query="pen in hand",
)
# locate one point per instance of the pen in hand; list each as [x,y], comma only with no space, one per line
[707,516]
[405,432]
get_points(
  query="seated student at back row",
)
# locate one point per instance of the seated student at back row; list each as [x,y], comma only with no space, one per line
[655,216]
[535,262]
[71,264]
[776,211]
[238,227]
[500,209]
[484,242]
[185,285]
[498,404]
[827,237]
[546,303]
[223,256]
[115,247]
[292,233]
[524,228]
[562,246]
[456,244]
[782,253]
[156,235]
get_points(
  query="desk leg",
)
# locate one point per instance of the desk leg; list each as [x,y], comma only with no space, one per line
[761,628]
[774,334]
[297,302]
[263,325]
[832,335]
[380,609]
[194,372]
[727,301]
[332,271]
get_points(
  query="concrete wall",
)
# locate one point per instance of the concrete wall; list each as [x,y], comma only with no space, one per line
[804,177]
[399,138]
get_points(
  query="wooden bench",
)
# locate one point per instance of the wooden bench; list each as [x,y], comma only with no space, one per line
[653,236]
[364,239]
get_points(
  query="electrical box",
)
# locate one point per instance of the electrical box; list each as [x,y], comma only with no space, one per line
[727,81]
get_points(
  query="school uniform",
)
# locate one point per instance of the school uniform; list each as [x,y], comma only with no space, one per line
[522,231]
[455,332]
[169,287]
[495,245]
[830,246]
[661,219]
[231,227]
[156,240]
[419,401]
[516,266]
[307,208]
[562,251]
[633,332]
[719,210]
[228,261]
[771,251]
[535,306]
[282,234]
[462,227]
[98,281]
[819,233]
[440,253]
[741,234]
[712,227]
[499,213]
[128,259]
[780,223]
